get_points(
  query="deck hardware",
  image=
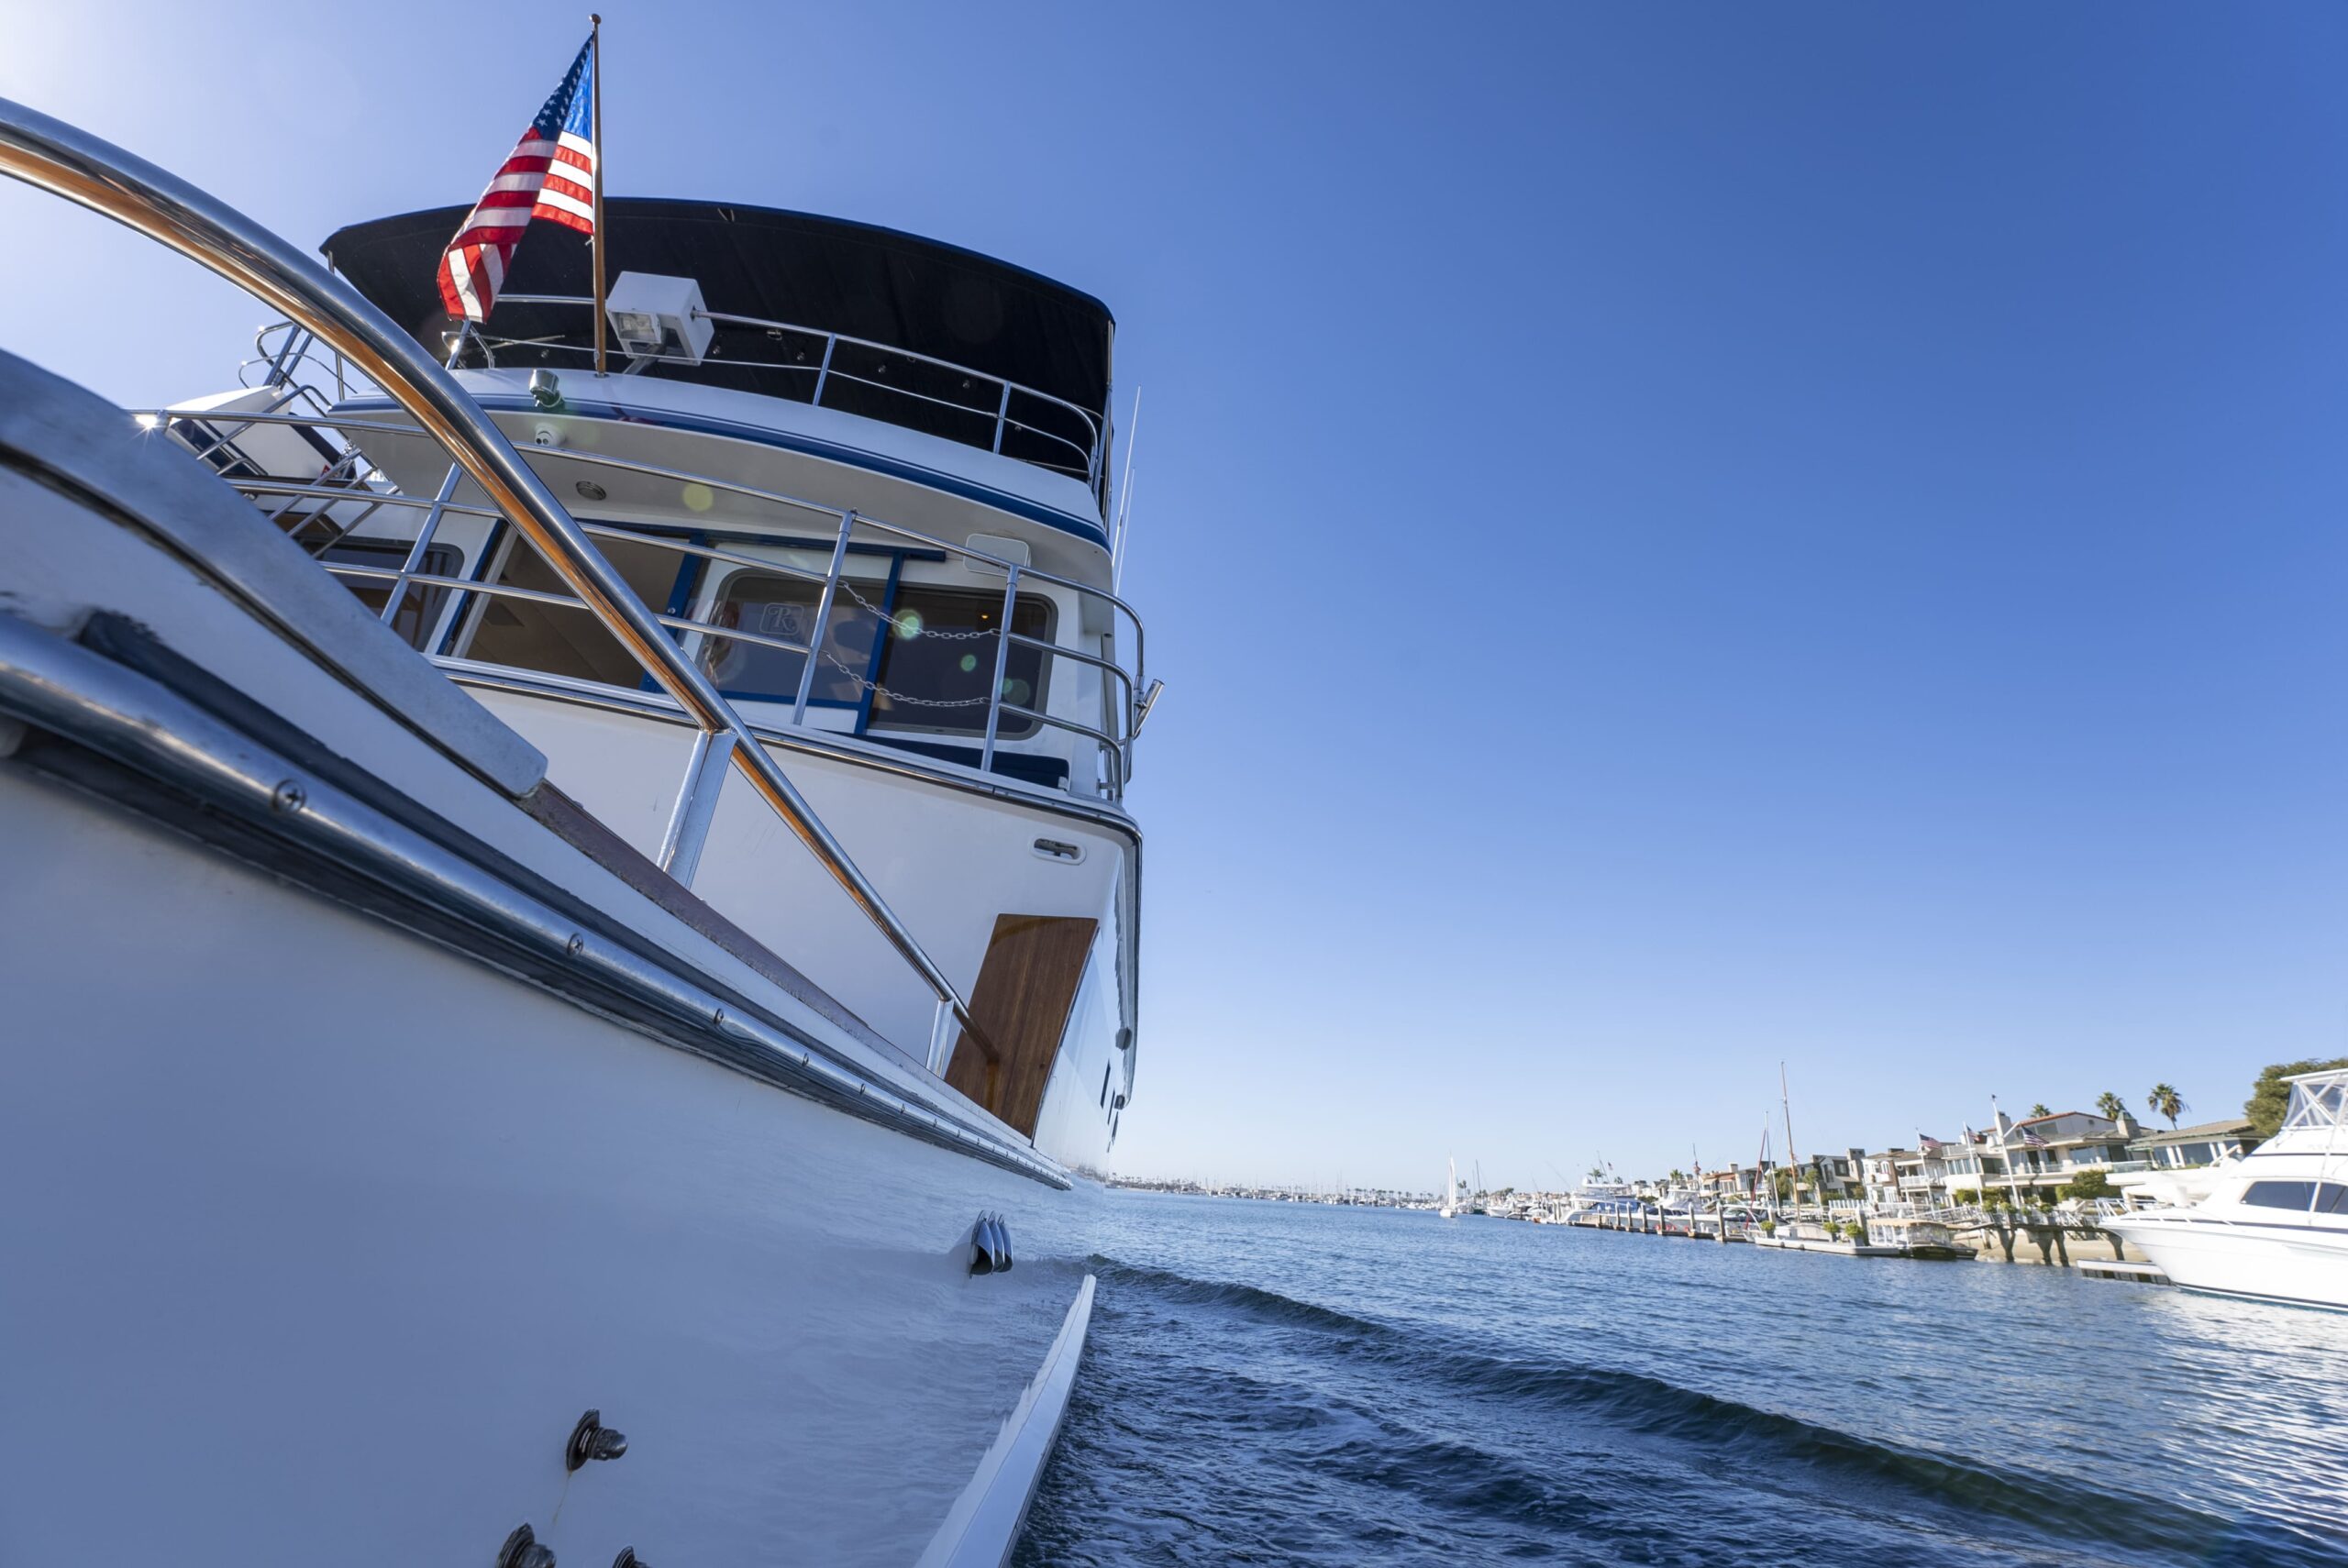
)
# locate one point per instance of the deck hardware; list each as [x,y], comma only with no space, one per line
[590,490]
[522,1550]
[628,1559]
[590,1438]
[546,388]
[288,798]
[1059,849]
[1126,1038]
[1148,701]
[718,1018]
[990,1246]
[575,945]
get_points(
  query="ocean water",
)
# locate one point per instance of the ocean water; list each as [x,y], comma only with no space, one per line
[1292,1384]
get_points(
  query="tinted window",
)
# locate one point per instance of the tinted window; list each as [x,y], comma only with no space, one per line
[935,650]
[564,639]
[770,604]
[2298,1195]
[420,607]
[938,662]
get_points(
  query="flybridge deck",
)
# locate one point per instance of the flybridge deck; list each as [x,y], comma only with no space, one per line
[800,307]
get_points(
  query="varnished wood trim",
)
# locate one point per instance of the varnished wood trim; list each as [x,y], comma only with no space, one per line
[1026,988]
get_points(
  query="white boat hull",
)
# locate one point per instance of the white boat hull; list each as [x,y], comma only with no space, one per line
[356,1149]
[329,1236]
[2296,1264]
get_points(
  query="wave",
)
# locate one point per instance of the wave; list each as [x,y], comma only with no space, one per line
[1269,1305]
[1763,1446]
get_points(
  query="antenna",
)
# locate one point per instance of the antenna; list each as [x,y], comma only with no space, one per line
[1125,499]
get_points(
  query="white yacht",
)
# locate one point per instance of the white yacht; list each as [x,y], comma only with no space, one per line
[2274,1223]
[509,854]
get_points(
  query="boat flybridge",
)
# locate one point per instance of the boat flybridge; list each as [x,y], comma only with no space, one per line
[2274,1223]
[513,840]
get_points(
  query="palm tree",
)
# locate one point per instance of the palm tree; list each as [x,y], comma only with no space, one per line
[2164,1101]
[2039,1110]
[2111,1106]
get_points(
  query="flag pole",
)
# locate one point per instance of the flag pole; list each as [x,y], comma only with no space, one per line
[595,43]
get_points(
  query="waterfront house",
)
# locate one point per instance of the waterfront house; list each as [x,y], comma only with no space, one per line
[2184,1147]
[1882,1177]
[1922,1175]
[2034,1158]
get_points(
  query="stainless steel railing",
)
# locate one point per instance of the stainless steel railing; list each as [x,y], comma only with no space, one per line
[94,173]
[991,415]
[342,499]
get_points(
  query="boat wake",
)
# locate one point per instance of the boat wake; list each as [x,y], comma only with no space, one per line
[1575,1450]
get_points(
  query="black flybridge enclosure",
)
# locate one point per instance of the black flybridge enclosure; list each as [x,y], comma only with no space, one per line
[824,274]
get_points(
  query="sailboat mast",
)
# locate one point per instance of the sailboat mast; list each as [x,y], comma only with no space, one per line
[1784,1103]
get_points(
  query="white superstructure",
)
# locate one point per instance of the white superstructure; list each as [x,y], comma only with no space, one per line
[2274,1224]
[547,900]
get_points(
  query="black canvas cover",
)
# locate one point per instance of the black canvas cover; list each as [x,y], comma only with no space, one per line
[821,272]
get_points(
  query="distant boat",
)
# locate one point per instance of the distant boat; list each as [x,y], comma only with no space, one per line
[2274,1224]
[1450,1210]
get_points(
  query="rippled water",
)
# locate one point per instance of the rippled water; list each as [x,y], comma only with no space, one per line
[1277,1382]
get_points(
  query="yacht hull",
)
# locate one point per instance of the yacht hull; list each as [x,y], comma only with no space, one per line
[2301,1265]
[362,1131]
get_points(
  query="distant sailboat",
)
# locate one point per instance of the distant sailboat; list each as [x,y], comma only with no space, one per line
[1450,1210]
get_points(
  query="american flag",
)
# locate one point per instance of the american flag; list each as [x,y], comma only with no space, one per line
[549,174]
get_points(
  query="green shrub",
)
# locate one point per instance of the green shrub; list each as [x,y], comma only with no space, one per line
[2089,1185]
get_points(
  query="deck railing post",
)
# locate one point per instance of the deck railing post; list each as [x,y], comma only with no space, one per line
[1002,664]
[689,819]
[941,1039]
[1001,415]
[824,601]
[824,371]
[414,562]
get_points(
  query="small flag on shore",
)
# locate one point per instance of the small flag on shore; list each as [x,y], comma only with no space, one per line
[549,174]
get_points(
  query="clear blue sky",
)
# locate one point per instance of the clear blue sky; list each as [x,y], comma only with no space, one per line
[1678,536]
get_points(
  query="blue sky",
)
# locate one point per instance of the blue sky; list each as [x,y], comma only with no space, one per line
[1679,537]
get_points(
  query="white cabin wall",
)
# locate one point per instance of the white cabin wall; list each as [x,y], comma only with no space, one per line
[948,862]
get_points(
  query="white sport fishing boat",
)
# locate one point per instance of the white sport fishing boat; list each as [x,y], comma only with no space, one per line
[569,931]
[2274,1223]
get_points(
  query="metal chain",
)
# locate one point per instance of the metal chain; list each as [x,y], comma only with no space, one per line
[925,631]
[864,684]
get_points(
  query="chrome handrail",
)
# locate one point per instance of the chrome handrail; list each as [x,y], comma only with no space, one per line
[85,170]
[825,370]
[1133,699]
[395,583]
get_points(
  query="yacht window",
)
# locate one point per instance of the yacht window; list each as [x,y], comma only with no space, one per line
[562,639]
[938,661]
[770,604]
[2333,1197]
[936,652]
[420,607]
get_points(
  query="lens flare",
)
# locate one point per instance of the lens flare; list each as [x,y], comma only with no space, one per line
[698,498]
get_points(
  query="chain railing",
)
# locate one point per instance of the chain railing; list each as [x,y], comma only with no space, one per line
[330,506]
